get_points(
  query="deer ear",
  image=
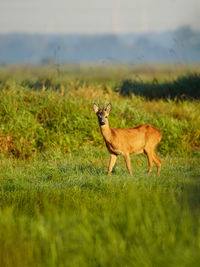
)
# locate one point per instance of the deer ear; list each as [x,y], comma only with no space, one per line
[108,108]
[95,108]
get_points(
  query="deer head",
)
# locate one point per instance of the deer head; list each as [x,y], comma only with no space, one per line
[102,113]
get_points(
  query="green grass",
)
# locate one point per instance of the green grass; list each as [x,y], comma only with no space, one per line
[35,121]
[57,205]
[65,211]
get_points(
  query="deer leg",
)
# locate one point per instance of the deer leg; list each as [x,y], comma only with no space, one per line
[128,163]
[113,158]
[150,160]
[157,161]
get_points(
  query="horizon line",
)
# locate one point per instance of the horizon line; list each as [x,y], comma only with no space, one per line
[98,33]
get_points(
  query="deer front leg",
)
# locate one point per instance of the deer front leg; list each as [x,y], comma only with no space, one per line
[113,158]
[128,163]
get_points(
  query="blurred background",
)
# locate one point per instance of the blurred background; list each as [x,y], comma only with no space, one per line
[106,31]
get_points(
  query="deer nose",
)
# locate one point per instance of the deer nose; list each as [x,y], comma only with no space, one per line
[101,122]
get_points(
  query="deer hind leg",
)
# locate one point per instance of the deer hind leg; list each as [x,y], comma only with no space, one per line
[128,163]
[157,161]
[149,154]
[113,158]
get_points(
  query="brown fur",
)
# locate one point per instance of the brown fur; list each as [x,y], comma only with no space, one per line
[142,138]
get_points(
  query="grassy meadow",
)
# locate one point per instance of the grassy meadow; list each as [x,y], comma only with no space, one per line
[57,205]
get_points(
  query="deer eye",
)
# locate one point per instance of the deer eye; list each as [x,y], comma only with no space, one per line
[106,117]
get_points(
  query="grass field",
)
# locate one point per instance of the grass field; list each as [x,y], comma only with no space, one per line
[57,205]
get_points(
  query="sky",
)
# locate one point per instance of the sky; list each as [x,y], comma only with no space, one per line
[97,16]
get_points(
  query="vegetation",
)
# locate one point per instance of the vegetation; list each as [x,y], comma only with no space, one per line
[184,87]
[182,44]
[42,113]
[57,205]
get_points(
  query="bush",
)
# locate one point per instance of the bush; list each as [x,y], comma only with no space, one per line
[184,87]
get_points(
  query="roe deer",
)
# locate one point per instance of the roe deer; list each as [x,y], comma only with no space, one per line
[142,138]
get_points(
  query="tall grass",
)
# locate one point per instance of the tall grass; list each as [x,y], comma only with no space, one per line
[37,116]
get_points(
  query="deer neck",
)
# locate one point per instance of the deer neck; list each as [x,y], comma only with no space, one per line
[106,132]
